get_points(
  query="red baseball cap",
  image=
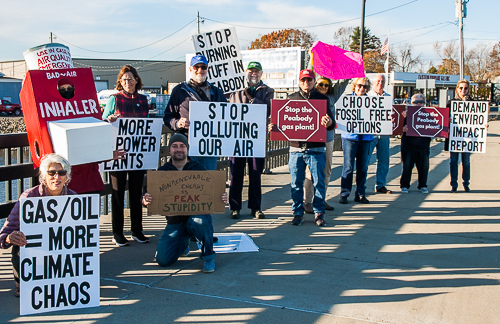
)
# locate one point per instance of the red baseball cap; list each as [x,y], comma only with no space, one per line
[306,74]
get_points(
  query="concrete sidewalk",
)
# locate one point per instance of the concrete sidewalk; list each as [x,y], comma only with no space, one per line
[403,258]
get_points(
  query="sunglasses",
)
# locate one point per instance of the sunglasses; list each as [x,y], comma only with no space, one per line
[323,85]
[203,67]
[419,102]
[362,86]
[61,173]
[463,88]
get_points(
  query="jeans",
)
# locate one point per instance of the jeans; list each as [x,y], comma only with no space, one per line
[255,168]
[175,239]
[308,185]
[210,163]
[454,157]
[315,160]
[420,158]
[354,150]
[382,145]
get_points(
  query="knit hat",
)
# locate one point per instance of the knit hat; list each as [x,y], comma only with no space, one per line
[178,138]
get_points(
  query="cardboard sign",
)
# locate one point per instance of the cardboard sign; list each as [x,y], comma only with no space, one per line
[177,193]
[59,266]
[364,115]
[43,103]
[427,121]
[468,121]
[336,63]
[225,68]
[48,57]
[227,129]
[141,138]
[398,120]
[298,120]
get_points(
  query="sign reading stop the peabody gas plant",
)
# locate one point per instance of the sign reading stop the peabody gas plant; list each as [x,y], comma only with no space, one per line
[427,121]
[298,120]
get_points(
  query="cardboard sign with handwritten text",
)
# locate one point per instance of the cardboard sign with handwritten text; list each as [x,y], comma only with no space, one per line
[178,193]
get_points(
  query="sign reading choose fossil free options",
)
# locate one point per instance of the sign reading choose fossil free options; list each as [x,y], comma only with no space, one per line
[468,121]
[427,121]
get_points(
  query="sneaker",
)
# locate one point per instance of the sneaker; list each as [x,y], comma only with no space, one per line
[318,217]
[120,240]
[258,214]
[453,189]
[186,252]
[361,199]
[297,220]
[235,214]
[466,188]
[328,207]
[17,291]
[384,190]
[140,238]
[343,200]
[404,190]
[424,190]
[308,208]
[209,266]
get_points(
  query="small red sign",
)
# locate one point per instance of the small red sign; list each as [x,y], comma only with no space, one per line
[428,121]
[398,119]
[298,120]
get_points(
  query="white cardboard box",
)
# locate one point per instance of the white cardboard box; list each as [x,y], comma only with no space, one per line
[82,140]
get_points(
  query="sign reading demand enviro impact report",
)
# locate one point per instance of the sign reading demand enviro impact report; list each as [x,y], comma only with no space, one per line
[227,129]
[59,266]
[468,121]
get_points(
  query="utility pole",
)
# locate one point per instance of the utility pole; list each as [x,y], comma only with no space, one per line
[461,12]
[51,38]
[362,36]
[198,21]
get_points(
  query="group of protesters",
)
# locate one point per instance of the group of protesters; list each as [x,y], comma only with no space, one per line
[310,163]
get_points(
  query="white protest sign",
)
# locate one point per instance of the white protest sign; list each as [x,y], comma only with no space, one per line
[233,243]
[225,68]
[59,266]
[364,115]
[140,137]
[48,57]
[227,129]
[468,131]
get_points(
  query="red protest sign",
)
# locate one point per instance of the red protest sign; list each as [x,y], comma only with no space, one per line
[398,119]
[427,121]
[298,120]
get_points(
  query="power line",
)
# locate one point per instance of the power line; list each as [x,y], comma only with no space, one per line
[410,30]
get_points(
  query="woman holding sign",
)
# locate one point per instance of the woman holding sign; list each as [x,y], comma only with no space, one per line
[461,94]
[55,174]
[127,103]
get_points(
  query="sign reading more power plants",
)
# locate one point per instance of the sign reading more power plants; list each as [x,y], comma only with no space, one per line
[59,267]
[468,126]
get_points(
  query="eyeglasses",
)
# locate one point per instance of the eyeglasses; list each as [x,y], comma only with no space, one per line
[128,80]
[362,85]
[463,88]
[419,102]
[203,67]
[323,85]
[61,173]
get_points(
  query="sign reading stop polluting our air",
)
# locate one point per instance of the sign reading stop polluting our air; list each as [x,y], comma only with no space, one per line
[298,120]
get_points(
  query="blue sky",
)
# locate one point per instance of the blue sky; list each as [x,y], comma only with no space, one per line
[112,29]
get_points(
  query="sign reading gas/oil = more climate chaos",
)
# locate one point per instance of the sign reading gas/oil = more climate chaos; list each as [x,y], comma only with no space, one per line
[364,115]
[225,68]
[227,129]
[140,138]
[468,121]
[298,120]
[177,193]
[59,267]
[427,121]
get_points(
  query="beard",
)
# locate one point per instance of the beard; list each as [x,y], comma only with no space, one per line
[179,156]
[253,80]
[198,78]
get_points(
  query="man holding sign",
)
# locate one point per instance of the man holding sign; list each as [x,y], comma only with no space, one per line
[197,89]
[174,241]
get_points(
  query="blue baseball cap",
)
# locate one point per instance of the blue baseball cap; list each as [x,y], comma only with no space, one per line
[198,59]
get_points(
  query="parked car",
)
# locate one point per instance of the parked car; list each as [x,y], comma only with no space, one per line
[10,108]
[401,101]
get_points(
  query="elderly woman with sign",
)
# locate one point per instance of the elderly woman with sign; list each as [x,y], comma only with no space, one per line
[127,103]
[356,148]
[55,174]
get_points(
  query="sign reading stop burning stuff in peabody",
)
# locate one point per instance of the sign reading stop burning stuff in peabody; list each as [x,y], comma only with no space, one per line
[427,121]
[298,120]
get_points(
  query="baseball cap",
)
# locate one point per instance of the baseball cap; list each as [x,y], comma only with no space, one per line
[178,138]
[306,74]
[198,59]
[254,65]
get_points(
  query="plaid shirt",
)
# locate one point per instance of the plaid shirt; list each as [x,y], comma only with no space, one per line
[135,105]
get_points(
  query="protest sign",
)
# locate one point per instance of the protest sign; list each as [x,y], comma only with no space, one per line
[227,129]
[336,63]
[59,267]
[468,121]
[140,137]
[398,119]
[427,121]
[233,243]
[177,193]
[364,115]
[298,120]
[225,68]
[48,57]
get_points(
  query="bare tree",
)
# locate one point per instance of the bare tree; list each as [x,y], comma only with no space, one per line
[476,61]
[449,58]
[342,37]
[403,59]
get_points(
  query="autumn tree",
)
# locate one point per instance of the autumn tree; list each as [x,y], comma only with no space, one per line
[342,37]
[494,61]
[284,38]
[449,58]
